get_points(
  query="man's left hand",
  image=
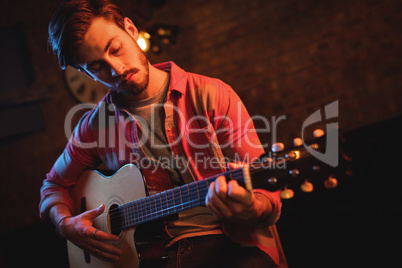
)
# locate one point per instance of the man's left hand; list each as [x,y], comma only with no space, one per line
[231,203]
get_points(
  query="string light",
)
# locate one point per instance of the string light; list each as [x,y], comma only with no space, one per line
[144,41]
[158,35]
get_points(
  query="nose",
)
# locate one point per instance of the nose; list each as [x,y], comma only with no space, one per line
[117,68]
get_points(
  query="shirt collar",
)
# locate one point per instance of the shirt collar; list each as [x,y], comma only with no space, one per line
[178,77]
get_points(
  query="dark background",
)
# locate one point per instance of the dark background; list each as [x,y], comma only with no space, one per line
[284,58]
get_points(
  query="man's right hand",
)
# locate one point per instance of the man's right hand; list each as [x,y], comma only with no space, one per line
[79,230]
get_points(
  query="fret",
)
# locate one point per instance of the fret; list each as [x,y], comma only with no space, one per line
[170,201]
[174,201]
[139,212]
[134,217]
[129,214]
[122,217]
[135,212]
[164,203]
[142,208]
[148,207]
[198,193]
[193,192]
[158,206]
[152,199]
[177,200]
[150,211]
[181,199]
[186,199]
[203,190]
[155,207]
[157,212]
[125,215]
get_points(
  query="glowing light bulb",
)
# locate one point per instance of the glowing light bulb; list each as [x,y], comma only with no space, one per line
[143,41]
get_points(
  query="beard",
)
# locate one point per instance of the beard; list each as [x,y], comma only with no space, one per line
[134,88]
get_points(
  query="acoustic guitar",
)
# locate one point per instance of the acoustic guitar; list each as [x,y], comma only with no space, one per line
[127,206]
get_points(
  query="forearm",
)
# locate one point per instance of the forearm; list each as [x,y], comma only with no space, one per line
[53,194]
[57,212]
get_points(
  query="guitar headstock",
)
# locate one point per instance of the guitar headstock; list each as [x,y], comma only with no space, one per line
[300,165]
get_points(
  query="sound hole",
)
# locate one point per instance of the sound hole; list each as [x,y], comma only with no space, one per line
[115,219]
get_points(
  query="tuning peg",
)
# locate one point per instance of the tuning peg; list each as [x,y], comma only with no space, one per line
[287,193]
[318,133]
[331,182]
[307,187]
[297,142]
[277,147]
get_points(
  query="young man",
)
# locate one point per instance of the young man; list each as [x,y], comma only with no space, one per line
[159,113]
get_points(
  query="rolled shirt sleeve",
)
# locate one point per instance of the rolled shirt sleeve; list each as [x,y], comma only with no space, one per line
[67,169]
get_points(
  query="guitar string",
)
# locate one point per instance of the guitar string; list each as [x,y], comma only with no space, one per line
[143,208]
[162,209]
[146,216]
[149,215]
[154,215]
[134,219]
[167,211]
[170,210]
[142,205]
[236,177]
[138,208]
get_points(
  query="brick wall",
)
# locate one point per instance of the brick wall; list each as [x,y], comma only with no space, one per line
[293,57]
[283,57]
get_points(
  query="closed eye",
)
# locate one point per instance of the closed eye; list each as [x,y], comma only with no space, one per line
[95,68]
[115,51]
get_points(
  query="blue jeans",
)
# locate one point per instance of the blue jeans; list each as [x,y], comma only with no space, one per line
[215,251]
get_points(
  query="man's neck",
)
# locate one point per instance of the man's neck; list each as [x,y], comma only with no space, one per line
[157,79]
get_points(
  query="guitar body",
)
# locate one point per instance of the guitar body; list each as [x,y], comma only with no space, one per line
[94,189]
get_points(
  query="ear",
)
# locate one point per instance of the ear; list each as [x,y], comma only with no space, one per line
[130,28]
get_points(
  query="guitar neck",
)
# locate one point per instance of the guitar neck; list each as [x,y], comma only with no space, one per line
[285,168]
[168,202]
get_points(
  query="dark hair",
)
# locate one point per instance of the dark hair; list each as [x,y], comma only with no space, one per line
[71,21]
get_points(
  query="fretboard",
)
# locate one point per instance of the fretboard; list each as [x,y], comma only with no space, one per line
[168,202]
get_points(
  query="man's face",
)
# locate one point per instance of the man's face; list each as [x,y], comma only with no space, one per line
[111,55]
